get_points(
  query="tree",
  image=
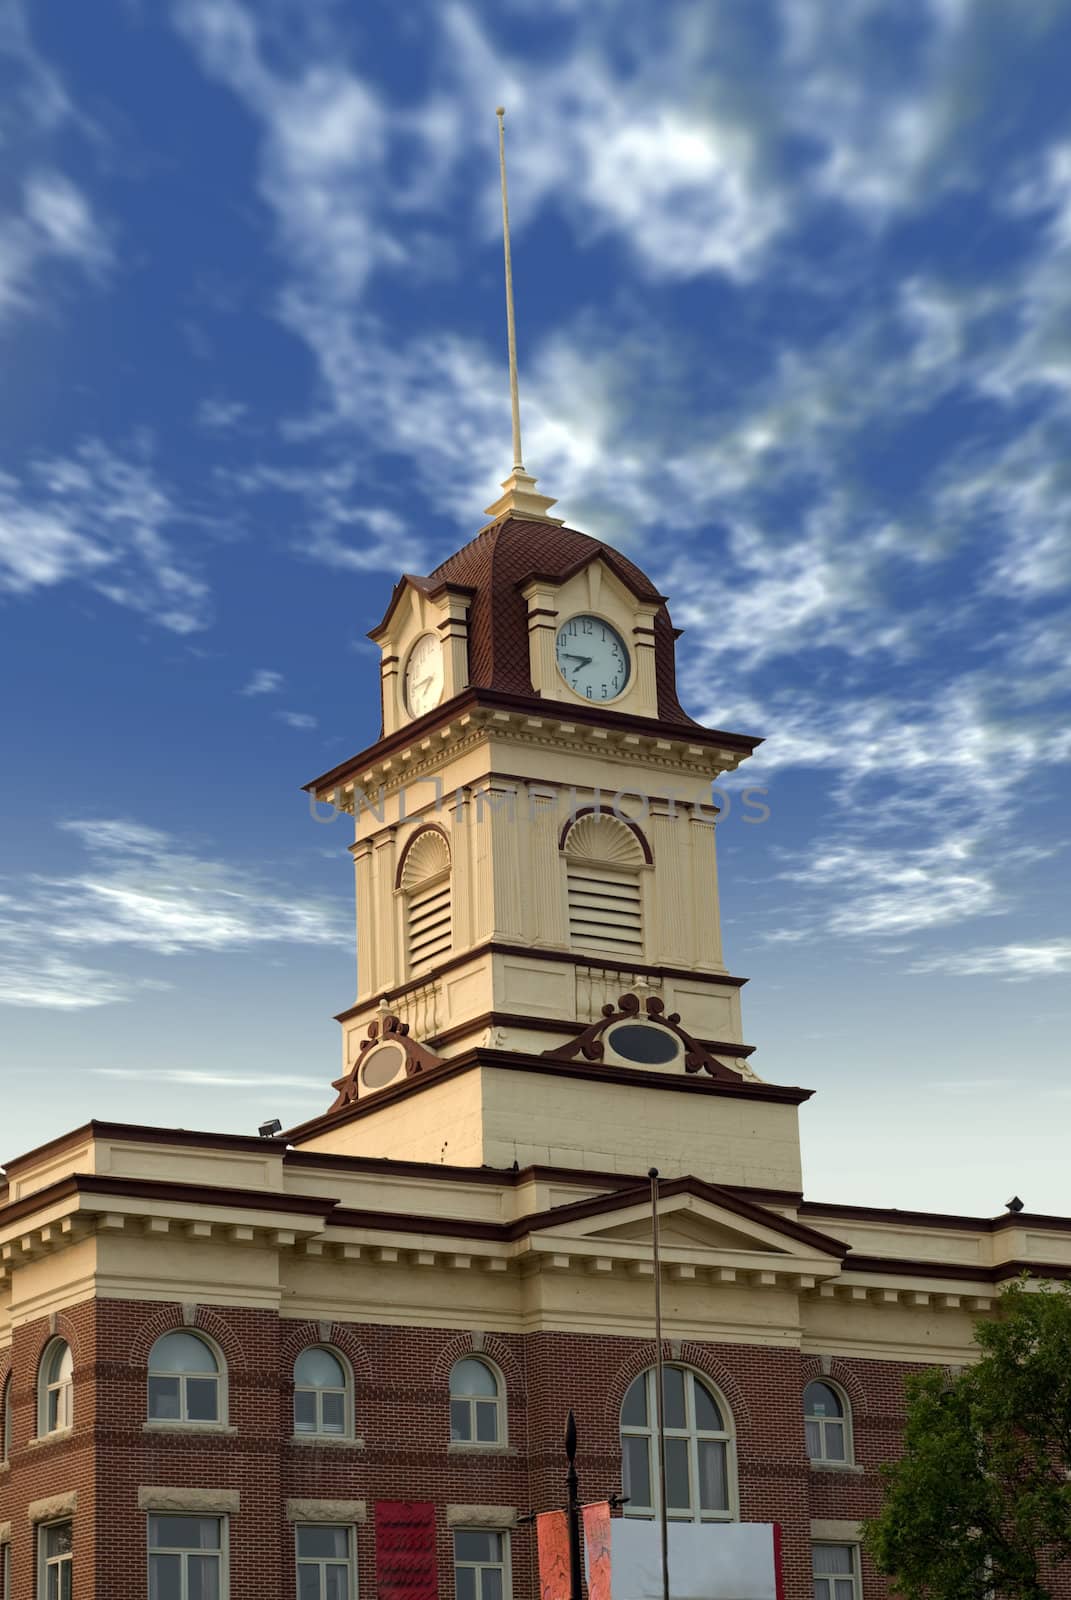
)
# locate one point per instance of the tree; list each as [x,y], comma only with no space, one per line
[980,1503]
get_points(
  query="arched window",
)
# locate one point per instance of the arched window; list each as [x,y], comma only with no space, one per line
[700,1464]
[827,1420]
[184,1379]
[425,885]
[475,1403]
[603,858]
[55,1388]
[5,1420]
[321,1393]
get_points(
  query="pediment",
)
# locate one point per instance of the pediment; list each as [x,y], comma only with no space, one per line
[694,1220]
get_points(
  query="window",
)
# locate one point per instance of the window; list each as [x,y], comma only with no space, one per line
[827,1422]
[5,1571]
[5,1423]
[55,1562]
[425,884]
[183,1380]
[325,1563]
[55,1409]
[475,1403]
[700,1470]
[836,1571]
[603,858]
[321,1393]
[481,1565]
[186,1558]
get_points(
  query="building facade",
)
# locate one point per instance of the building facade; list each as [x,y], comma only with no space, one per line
[234,1366]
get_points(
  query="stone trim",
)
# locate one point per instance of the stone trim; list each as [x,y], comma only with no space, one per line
[469,1447]
[481,1516]
[326,1510]
[315,1441]
[40,1440]
[5,1533]
[828,1530]
[838,1466]
[156,1425]
[219,1501]
[53,1506]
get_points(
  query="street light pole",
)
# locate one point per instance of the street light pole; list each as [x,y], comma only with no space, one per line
[572,1514]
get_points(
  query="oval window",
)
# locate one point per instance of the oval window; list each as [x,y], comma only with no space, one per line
[645,1043]
[382,1066]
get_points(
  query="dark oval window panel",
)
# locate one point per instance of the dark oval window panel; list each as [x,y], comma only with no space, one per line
[638,1041]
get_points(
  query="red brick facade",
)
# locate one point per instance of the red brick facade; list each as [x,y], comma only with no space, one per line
[403,1450]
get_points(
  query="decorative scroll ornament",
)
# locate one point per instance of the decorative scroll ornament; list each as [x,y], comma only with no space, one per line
[386,1029]
[591,1044]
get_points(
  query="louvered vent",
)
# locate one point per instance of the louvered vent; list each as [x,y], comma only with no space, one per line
[603,861]
[426,884]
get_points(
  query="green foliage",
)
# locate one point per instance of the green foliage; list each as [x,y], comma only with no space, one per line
[980,1503]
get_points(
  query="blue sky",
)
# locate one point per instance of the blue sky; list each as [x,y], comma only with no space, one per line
[794,299]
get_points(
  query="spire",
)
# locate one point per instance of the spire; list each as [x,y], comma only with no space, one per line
[519,498]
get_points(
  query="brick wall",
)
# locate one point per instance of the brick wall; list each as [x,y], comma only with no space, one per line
[402,1413]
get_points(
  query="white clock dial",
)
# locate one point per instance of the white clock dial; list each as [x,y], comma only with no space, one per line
[424,675]
[592,658]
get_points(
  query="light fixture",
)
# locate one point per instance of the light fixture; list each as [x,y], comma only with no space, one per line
[268,1130]
[1014,1204]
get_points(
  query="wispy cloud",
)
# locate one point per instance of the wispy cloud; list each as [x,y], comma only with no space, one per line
[143,891]
[214,1080]
[218,415]
[55,222]
[298,719]
[265,680]
[1013,962]
[105,519]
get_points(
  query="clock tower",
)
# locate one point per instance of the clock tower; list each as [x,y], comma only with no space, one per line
[539,952]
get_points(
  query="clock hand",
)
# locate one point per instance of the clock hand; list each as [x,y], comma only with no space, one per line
[585,661]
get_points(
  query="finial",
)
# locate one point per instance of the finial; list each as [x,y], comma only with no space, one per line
[520,498]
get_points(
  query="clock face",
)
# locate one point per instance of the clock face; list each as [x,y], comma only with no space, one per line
[592,658]
[424,675]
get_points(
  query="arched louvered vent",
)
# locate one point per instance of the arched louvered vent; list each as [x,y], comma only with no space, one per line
[603,858]
[425,883]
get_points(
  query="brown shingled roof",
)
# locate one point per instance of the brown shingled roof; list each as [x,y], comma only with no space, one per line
[495,566]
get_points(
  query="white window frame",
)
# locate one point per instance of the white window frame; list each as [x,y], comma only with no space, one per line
[327,1561]
[5,1569]
[223,1550]
[6,1414]
[349,1422]
[183,1420]
[844,1420]
[479,1567]
[693,1434]
[45,1564]
[501,1437]
[62,1388]
[828,1579]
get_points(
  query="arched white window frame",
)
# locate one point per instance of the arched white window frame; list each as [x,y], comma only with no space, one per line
[821,1431]
[689,1443]
[425,880]
[184,1377]
[473,1411]
[5,1418]
[55,1388]
[319,1430]
[604,886]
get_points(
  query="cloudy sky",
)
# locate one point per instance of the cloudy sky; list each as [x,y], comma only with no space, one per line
[794,291]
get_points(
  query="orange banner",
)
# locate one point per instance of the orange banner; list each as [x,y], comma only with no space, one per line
[552,1540]
[597,1541]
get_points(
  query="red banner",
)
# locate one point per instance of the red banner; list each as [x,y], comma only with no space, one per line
[406,1568]
[552,1540]
[597,1541]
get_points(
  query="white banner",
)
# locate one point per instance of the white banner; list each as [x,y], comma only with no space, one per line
[707,1560]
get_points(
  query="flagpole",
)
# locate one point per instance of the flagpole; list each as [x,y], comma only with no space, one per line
[659,1383]
[511,331]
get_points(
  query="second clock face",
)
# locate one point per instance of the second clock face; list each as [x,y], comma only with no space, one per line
[424,675]
[592,658]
